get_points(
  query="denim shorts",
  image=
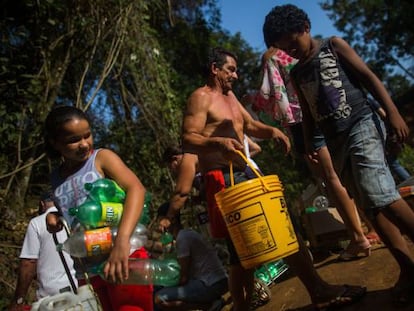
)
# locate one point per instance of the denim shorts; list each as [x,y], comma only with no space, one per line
[318,140]
[195,291]
[359,159]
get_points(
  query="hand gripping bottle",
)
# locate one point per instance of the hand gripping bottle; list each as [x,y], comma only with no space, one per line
[95,214]
[105,190]
[146,271]
[98,241]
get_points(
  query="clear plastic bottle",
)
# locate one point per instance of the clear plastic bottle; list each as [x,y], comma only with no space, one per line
[98,241]
[105,190]
[94,214]
[146,271]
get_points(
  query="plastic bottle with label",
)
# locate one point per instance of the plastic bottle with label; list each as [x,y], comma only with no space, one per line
[147,271]
[99,241]
[94,214]
[105,190]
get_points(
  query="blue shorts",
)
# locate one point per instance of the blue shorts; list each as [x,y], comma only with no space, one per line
[359,160]
[318,140]
[194,291]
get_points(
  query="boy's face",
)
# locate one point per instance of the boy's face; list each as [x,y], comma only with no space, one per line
[297,45]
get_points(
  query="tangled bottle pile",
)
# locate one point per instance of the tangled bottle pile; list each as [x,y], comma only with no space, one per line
[99,216]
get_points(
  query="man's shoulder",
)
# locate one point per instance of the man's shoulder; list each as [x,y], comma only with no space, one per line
[203,91]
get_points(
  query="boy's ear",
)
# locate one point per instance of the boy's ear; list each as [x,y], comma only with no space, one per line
[306,27]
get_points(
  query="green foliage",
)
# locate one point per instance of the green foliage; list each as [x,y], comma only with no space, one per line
[406,158]
[381,31]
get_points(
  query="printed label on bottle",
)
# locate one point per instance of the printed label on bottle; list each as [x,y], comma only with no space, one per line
[98,241]
[111,213]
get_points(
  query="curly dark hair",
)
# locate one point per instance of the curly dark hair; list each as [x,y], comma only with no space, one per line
[283,20]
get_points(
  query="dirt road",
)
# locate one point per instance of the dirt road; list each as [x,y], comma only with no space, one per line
[377,272]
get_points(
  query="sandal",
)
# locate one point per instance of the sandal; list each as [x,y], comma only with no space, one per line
[354,249]
[349,295]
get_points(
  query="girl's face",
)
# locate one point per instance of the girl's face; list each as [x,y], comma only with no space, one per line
[74,141]
[297,45]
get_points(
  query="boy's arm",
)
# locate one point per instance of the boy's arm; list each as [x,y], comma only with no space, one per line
[371,82]
[183,186]
[27,273]
[308,126]
[184,183]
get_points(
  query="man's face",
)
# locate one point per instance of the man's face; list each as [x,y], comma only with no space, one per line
[227,74]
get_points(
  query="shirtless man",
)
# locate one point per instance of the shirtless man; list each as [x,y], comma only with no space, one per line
[213,127]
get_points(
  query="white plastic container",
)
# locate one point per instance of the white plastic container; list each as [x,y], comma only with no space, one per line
[85,300]
[61,302]
[88,299]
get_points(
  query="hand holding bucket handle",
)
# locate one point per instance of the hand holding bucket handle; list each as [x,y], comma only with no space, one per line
[248,162]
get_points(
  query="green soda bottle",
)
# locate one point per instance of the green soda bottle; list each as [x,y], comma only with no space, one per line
[93,214]
[145,218]
[105,190]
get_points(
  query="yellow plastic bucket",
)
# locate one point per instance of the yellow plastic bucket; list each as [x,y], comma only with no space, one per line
[256,216]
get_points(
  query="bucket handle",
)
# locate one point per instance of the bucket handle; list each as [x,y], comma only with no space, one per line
[249,163]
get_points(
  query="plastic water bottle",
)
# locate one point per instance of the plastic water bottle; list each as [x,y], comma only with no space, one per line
[94,214]
[105,190]
[147,271]
[97,242]
[262,273]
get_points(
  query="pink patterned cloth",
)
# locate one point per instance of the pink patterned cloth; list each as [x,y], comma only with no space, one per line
[277,98]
